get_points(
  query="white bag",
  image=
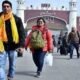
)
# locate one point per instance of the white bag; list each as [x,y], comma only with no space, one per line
[79,50]
[48,59]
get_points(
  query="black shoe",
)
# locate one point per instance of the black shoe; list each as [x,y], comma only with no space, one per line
[38,74]
[10,78]
[77,57]
[70,57]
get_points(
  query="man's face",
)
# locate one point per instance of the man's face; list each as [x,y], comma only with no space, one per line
[73,29]
[6,8]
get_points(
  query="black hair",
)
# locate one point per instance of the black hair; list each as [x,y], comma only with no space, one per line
[8,2]
[40,18]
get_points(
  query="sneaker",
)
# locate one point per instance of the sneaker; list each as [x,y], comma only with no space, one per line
[37,75]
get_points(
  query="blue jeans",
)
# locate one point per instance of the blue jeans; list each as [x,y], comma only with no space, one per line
[2,65]
[38,58]
[12,55]
[72,46]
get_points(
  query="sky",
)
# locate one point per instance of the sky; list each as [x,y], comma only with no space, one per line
[35,3]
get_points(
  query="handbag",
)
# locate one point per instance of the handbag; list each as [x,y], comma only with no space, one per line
[49,59]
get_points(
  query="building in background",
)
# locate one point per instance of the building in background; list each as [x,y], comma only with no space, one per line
[57,19]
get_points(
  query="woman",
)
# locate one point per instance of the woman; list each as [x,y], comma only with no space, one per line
[39,54]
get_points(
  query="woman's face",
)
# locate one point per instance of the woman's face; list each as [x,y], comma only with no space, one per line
[41,22]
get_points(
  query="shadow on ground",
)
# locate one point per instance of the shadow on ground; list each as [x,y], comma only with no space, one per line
[27,73]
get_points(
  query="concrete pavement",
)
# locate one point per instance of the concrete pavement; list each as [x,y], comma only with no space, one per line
[63,68]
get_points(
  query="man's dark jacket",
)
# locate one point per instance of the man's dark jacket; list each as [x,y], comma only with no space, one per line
[10,45]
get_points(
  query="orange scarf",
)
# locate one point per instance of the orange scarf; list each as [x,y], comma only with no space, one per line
[3,35]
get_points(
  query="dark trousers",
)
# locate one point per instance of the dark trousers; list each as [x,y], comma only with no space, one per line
[38,58]
[72,46]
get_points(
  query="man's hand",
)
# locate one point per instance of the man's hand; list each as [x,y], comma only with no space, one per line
[20,50]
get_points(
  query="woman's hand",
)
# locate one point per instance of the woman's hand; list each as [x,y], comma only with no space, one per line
[50,51]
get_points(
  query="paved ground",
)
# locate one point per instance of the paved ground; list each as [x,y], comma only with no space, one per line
[63,68]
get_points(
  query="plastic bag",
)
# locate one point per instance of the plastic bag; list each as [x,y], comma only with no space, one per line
[79,50]
[49,59]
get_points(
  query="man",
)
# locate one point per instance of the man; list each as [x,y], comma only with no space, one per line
[65,44]
[12,37]
[73,39]
[60,42]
